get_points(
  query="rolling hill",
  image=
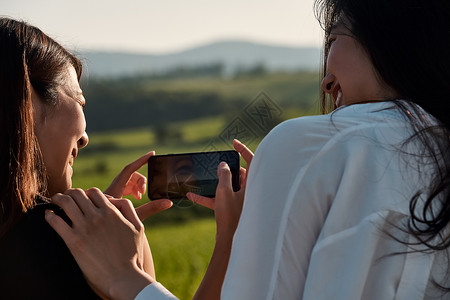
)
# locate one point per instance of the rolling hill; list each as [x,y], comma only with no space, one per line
[232,54]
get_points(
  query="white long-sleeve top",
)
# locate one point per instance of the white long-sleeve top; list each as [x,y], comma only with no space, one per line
[321,194]
[155,291]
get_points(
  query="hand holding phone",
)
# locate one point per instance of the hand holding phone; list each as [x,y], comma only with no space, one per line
[171,176]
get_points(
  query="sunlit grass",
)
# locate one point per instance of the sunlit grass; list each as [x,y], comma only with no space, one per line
[181,250]
[181,253]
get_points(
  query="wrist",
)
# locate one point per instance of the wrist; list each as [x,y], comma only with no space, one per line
[225,233]
[129,285]
[224,240]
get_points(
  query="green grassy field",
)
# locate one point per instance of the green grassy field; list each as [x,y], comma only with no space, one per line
[290,88]
[108,152]
[181,254]
[182,240]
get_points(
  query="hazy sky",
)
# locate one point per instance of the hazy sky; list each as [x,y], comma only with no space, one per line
[168,25]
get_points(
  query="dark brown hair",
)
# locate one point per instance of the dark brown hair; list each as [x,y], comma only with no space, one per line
[407,42]
[28,59]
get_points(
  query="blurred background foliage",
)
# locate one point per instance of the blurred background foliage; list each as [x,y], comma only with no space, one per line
[180,110]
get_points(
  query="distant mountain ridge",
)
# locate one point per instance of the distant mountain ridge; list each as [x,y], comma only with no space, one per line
[232,54]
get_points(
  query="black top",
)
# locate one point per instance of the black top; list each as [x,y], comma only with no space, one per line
[36,264]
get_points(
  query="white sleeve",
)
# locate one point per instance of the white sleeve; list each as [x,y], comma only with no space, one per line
[272,245]
[155,291]
[315,196]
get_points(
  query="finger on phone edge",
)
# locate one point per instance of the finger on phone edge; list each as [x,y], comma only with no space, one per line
[155,206]
[201,200]
[246,153]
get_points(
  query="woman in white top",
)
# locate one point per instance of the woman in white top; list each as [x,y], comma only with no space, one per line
[350,205]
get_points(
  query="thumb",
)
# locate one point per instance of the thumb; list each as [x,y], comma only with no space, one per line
[224,174]
[117,187]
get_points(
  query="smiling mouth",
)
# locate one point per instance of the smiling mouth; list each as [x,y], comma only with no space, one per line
[337,94]
[335,90]
[74,155]
[70,163]
[338,101]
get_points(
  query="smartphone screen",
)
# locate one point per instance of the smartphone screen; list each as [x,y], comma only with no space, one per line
[171,176]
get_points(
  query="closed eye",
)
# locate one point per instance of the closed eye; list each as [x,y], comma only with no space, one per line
[331,39]
[81,102]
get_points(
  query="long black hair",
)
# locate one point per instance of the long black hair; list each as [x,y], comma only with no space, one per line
[408,42]
[409,46]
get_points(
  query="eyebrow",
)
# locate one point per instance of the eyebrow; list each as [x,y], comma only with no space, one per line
[337,25]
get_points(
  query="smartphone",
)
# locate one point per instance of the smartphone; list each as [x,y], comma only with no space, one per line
[171,176]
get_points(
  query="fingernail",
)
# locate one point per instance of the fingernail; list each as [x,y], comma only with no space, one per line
[223,165]
[108,196]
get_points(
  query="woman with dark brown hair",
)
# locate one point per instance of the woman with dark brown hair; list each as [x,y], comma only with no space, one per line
[42,128]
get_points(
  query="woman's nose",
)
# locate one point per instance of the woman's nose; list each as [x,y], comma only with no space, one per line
[327,83]
[83,141]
